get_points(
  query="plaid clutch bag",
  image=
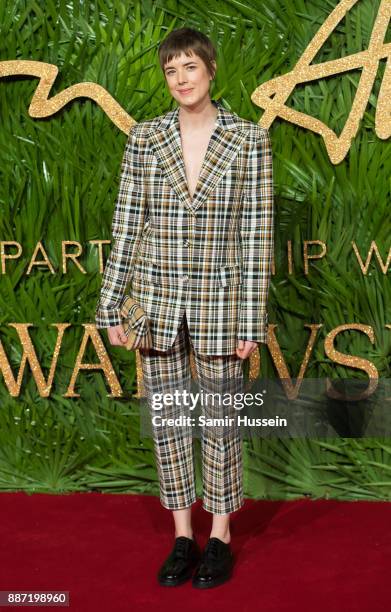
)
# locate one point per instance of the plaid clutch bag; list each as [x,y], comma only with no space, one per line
[135,324]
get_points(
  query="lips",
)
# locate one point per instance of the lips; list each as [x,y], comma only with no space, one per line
[182,91]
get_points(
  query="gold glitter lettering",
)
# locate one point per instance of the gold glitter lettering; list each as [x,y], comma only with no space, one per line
[272,95]
[351,362]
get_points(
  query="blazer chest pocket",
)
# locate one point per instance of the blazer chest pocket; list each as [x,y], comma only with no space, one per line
[230,275]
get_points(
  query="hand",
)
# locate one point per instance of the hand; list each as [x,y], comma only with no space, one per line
[245,348]
[117,335]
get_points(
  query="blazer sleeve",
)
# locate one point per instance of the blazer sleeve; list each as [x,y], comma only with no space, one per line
[127,226]
[257,236]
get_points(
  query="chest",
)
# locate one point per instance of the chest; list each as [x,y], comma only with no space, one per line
[194,148]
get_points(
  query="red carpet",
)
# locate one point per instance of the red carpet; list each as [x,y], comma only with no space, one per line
[106,549]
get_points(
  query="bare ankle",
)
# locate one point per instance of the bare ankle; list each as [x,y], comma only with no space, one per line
[185,533]
[224,537]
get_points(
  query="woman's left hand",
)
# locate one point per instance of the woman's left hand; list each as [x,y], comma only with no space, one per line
[245,348]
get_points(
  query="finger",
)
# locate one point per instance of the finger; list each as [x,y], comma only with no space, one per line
[117,340]
[121,336]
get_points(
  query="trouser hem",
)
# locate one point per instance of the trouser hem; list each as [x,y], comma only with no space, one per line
[228,510]
[176,507]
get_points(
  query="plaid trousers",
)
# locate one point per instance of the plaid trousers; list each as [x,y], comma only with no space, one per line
[221,446]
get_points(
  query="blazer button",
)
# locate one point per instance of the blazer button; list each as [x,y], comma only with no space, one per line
[185,277]
[186,242]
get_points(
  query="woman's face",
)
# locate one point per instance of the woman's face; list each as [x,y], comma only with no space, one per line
[187,78]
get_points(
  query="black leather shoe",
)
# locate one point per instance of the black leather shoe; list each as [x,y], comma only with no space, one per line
[215,566]
[180,563]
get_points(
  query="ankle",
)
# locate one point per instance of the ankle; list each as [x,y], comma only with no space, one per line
[185,533]
[223,536]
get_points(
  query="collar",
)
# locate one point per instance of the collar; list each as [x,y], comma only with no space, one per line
[225,119]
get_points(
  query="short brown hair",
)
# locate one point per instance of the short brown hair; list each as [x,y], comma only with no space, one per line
[187,39]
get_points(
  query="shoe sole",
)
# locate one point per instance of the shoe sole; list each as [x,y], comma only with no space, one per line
[210,585]
[176,583]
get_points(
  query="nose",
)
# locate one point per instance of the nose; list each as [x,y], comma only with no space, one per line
[181,77]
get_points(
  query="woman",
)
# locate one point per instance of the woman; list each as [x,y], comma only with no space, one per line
[193,232]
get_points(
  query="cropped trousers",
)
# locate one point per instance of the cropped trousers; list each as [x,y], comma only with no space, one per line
[218,379]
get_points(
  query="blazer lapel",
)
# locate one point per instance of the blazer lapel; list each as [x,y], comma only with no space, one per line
[224,144]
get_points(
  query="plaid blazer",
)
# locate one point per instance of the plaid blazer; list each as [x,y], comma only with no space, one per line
[209,255]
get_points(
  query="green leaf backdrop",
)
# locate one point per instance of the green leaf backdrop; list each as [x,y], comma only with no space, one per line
[59,179]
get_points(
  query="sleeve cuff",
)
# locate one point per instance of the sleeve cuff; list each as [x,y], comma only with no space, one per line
[107,318]
[254,330]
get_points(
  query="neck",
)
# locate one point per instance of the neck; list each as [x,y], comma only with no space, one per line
[197,115]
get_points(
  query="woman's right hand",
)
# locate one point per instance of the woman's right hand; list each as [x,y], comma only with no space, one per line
[117,335]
